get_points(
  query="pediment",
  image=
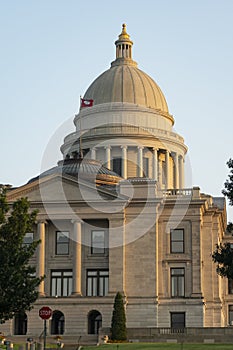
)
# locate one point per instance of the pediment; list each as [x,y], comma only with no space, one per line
[57,188]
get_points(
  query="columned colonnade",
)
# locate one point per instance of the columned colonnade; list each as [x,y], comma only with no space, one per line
[76,260]
[157,166]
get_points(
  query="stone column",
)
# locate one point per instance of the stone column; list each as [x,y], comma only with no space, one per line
[124,161]
[167,166]
[140,161]
[40,257]
[181,171]
[196,259]
[155,164]
[117,254]
[77,262]
[160,173]
[93,153]
[177,180]
[108,157]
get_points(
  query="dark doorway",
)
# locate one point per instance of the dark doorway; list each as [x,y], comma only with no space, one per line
[94,322]
[58,323]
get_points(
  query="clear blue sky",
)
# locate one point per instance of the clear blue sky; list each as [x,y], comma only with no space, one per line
[51,50]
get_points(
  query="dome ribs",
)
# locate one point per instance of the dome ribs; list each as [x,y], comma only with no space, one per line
[133,85]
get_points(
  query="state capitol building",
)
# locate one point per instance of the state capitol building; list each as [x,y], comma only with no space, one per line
[114,215]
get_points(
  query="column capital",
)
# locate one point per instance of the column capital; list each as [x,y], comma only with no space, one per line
[42,221]
[140,147]
[107,147]
[124,146]
[77,221]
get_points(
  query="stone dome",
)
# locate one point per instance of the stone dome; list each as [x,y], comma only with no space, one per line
[81,167]
[124,82]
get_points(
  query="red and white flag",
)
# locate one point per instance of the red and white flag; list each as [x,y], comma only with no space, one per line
[86,102]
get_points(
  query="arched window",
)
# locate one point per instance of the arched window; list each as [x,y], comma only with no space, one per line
[57,323]
[20,324]
[94,322]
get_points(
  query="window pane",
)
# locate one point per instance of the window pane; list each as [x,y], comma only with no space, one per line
[62,243]
[94,287]
[177,282]
[178,320]
[56,273]
[116,165]
[53,292]
[97,283]
[28,238]
[67,273]
[177,247]
[177,271]
[98,242]
[177,235]
[62,237]
[177,241]
[58,291]
[230,316]
[103,273]
[61,283]
[181,286]
[92,273]
[106,286]
[89,288]
[145,167]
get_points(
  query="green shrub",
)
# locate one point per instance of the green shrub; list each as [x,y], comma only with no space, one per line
[118,325]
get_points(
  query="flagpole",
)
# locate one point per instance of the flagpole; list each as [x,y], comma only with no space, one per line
[80,137]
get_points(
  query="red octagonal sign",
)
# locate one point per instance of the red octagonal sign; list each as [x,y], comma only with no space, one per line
[45,312]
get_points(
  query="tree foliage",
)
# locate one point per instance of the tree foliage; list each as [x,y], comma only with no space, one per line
[118,326]
[18,284]
[223,257]
[228,191]
[223,254]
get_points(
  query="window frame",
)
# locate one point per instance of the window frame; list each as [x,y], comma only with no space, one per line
[58,244]
[177,282]
[97,285]
[182,241]
[98,250]
[174,325]
[62,277]
[117,165]
[26,244]
[230,314]
[145,161]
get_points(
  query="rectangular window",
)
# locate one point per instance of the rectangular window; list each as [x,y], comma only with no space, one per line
[97,242]
[178,321]
[230,315]
[28,238]
[145,167]
[230,286]
[177,282]
[117,165]
[61,283]
[163,172]
[97,283]
[177,241]
[62,243]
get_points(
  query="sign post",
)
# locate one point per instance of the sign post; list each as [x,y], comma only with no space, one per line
[45,313]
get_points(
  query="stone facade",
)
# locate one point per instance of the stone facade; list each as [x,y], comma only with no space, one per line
[140,232]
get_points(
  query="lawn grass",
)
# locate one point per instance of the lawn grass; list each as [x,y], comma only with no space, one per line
[160,346]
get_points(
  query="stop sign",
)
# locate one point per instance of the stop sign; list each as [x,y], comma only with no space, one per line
[45,312]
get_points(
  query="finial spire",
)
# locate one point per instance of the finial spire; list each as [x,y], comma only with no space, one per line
[124,44]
